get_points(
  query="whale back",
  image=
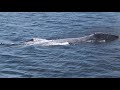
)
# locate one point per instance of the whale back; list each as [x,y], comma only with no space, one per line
[96,37]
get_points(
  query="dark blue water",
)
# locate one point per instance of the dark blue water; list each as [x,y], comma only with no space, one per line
[83,60]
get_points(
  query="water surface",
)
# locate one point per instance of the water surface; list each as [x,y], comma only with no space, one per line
[74,61]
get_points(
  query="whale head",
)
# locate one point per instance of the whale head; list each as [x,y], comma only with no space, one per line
[104,37]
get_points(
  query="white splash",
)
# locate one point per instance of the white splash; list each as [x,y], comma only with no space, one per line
[44,42]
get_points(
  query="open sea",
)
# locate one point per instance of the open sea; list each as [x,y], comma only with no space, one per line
[86,60]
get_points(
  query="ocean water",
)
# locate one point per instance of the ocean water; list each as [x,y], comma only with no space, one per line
[86,60]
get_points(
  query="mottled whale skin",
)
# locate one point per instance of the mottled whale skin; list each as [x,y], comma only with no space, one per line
[104,36]
[96,37]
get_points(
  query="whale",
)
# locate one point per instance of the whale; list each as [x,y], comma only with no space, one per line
[95,37]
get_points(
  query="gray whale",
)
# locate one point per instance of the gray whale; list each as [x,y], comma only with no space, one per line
[96,37]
